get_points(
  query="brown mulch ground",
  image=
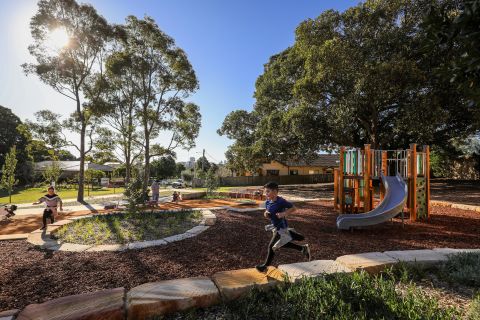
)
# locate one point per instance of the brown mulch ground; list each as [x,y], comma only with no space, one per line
[465,192]
[26,224]
[238,240]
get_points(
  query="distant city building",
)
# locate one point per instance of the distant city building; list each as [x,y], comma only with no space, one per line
[189,164]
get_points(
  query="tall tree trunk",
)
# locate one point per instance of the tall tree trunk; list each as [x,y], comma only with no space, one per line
[81,173]
[147,163]
[128,168]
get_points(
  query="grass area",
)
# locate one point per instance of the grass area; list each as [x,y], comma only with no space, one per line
[338,296]
[394,294]
[121,228]
[30,195]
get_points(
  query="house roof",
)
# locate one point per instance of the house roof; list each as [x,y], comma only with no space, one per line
[322,160]
[72,166]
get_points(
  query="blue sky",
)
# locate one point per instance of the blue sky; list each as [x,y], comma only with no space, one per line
[227,42]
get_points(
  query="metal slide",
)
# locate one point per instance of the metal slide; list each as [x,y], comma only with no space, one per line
[395,198]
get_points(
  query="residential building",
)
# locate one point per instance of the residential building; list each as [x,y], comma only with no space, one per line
[324,163]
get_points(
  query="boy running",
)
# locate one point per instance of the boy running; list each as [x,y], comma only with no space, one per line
[277,209]
[52,200]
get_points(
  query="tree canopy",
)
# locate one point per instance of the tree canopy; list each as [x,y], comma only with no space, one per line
[354,77]
[75,69]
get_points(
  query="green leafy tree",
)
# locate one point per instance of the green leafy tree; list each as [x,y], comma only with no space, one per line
[179,168]
[74,69]
[11,134]
[211,181]
[134,193]
[163,77]
[8,172]
[187,176]
[453,29]
[351,78]
[202,165]
[91,176]
[51,173]
[122,94]
[104,146]
[163,168]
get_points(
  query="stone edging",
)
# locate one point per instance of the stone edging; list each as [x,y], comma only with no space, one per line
[43,238]
[163,297]
[454,205]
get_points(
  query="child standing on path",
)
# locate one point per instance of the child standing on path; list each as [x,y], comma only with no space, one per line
[52,200]
[277,209]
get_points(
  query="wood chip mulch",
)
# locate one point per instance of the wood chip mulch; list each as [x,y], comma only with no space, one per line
[238,240]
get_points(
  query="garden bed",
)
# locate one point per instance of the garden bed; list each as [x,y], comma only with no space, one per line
[238,240]
[122,228]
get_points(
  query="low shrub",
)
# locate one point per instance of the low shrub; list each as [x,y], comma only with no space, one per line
[474,310]
[463,268]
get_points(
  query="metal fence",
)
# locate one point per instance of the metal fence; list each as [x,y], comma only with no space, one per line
[282,180]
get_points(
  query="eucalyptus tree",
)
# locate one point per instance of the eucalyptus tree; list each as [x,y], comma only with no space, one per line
[72,67]
[161,78]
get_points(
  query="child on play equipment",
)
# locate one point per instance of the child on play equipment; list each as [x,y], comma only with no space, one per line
[277,208]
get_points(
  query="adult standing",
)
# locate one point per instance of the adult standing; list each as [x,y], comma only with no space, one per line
[155,190]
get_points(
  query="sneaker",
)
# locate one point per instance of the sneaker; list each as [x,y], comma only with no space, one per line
[306,252]
[261,268]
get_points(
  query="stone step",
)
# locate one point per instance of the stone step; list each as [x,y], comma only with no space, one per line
[449,251]
[417,256]
[296,271]
[372,262]
[236,283]
[159,298]
[14,236]
[105,305]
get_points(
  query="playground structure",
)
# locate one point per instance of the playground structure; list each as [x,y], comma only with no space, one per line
[353,180]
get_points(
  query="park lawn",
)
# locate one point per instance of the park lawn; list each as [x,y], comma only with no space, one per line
[30,195]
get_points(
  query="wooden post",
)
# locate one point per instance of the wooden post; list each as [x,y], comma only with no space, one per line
[384,171]
[366,178]
[335,188]
[412,190]
[427,179]
[341,193]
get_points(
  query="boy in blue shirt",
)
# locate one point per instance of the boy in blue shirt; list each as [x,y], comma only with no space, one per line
[277,209]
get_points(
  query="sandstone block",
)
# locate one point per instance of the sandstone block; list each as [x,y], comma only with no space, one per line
[236,283]
[417,256]
[169,296]
[296,271]
[105,305]
[371,262]
[146,244]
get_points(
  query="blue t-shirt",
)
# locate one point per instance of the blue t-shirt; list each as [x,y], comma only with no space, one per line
[274,207]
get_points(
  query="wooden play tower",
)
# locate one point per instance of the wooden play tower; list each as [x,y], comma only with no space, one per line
[353,180]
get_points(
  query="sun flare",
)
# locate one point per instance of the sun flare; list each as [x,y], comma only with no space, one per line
[58,39]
